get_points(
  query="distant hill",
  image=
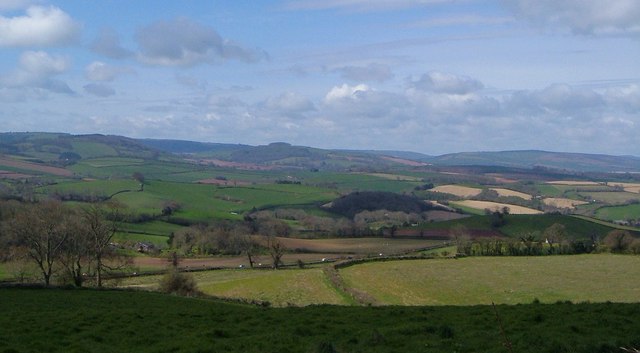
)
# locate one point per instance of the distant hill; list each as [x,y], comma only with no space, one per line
[60,149]
[580,162]
[64,149]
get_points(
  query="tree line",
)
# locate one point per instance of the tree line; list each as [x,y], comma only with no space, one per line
[71,245]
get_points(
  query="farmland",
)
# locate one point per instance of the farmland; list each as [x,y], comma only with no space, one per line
[107,321]
[347,230]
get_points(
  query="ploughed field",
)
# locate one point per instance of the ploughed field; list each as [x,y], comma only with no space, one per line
[38,320]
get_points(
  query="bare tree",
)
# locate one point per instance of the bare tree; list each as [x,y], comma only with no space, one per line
[276,251]
[76,250]
[100,232]
[41,230]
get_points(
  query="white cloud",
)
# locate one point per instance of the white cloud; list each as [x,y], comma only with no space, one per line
[440,82]
[599,17]
[345,92]
[108,44]
[40,26]
[99,71]
[37,69]
[182,42]
[290,104]
[14,4]
[100,90]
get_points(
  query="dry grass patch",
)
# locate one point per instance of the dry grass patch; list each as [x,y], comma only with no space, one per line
[461,191]
[496,206]
[559,202]
[628,187]
[507,193]
[573,182]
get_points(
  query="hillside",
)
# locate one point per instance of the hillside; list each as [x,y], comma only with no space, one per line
[580,162]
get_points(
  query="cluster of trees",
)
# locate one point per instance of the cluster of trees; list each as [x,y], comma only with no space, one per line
[553,241]
[356,202]
[68,244]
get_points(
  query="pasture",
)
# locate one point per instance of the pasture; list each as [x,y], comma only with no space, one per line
[458,190]
[505,280]
[560,202]
[509,192]
[281,288]
[495,206]
[613,213]
[56,320]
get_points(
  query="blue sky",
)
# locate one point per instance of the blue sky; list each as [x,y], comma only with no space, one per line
[431,76]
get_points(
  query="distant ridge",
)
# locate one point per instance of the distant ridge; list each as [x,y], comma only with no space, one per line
[61,148]
[582,162]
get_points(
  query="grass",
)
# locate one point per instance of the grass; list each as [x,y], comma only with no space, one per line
[119,321]
[619,212]
[280,288]
[361,246]
[506,280]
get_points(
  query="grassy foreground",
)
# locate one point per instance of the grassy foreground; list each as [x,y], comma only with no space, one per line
[36,320]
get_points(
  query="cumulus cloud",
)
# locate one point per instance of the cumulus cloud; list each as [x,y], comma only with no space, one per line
[108,44]
[182,42]
[290,104]
[40,26]
[440,82]
[371,72]
[597,17]
[345,92]
[99,71]
[37,69]
[100,90]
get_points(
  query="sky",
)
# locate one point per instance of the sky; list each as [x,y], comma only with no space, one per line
[429,76]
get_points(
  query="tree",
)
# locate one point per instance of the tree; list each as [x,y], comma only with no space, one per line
[248,246]
[100,232]
[76,250]
[42,230]
[618,240]
[459,235]
[276,251]
[139,177]
[555,234]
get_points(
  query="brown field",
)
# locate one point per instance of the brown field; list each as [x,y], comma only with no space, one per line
[443,215]
[496,206]
[573,182]
[562,203]
[628,187]
[35,167]
[5,174]
[359,246]
[159,263]
[507,193]
[405,161]
[461,191]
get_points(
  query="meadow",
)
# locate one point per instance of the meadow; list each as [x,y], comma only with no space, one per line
[504,280]
[54,320]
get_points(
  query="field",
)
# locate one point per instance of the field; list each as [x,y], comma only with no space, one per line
[124,321]
[362,246]
[505,280]
[562,202]
[280,288]
[629,187]
[614,213]
[507,193]
[482,205]
[461,191]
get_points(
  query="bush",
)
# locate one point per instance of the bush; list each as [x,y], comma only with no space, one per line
[175,282]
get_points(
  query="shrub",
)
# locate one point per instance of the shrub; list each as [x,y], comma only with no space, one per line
[175,282]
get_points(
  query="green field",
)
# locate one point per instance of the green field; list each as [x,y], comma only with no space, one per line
[506,280]
[619,212]
[280,288]
[36,320]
